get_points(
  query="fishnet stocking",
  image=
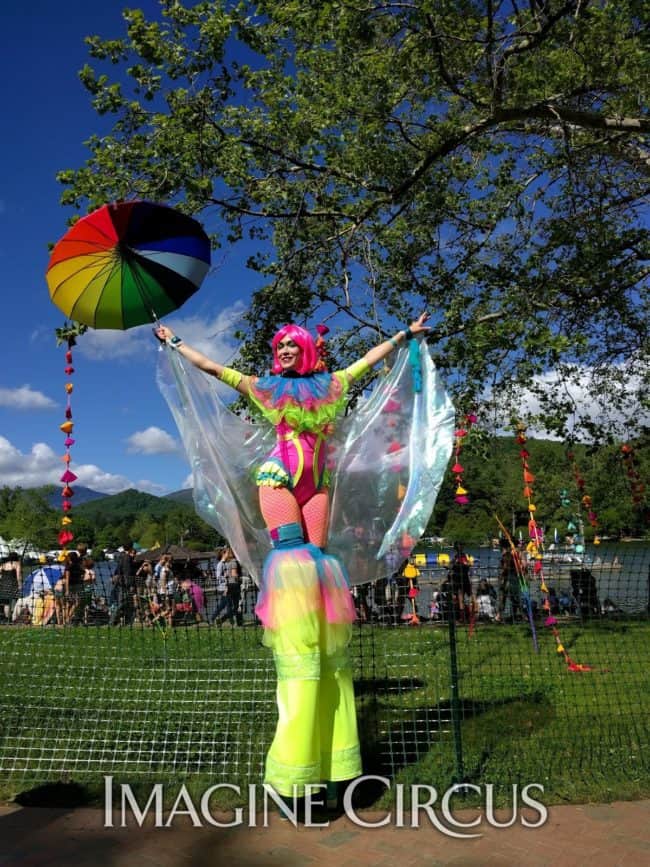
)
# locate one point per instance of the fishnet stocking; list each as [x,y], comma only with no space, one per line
[315,518]
[279,506]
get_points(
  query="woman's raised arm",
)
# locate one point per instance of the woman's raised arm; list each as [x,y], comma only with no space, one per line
[382,350]
[233,378]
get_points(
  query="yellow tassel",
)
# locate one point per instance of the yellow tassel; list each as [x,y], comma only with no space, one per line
[560,648]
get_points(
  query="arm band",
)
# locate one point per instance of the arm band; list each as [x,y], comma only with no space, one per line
[230,377]
[358,369]
[409,333]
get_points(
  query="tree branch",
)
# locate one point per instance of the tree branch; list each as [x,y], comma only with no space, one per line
[584,119]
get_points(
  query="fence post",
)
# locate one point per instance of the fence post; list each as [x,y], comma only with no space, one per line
[459,776]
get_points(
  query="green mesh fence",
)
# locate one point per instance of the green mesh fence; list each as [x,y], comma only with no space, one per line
[457,696]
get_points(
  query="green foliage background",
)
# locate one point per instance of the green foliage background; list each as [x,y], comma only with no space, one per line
[488,161]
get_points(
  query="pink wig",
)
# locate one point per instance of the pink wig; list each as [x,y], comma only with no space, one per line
[308,358]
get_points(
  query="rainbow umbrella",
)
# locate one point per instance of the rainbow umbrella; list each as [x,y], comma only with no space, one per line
[126,264]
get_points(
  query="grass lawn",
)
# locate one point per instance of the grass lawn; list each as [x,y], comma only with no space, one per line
[197,705]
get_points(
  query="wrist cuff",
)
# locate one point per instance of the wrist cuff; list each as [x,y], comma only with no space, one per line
[174,341]
[409,333]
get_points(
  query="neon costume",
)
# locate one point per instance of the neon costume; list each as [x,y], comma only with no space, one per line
[385,489]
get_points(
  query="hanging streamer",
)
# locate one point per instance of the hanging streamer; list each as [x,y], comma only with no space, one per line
[637,487]
[535,549]
[411,572]
[461,493]
[584,498]
[65,534]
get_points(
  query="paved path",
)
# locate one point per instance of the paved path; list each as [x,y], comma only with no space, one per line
[593,835]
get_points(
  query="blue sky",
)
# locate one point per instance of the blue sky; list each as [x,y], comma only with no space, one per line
[125,436]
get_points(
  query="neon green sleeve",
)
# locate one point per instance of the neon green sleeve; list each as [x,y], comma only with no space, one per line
[357,370]
[231,377]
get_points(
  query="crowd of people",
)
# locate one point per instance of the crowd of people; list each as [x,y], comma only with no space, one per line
[165,592]
[140,590]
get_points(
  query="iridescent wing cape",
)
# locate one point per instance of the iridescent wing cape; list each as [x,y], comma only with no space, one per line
[387,460]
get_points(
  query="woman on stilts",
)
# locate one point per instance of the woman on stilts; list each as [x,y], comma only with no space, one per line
[305,602]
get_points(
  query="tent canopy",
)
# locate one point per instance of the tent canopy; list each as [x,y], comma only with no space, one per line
[177,552]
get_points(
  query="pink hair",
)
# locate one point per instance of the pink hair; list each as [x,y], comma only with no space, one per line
[308,358]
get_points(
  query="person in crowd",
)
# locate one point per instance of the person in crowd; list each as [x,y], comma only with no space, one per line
[510,568]
[123,584]
[486,600]
[73,586]
[553,601]
[460,583]
[566,602]
[89,579]
[144,590]
[11,582]
[234,592]
[222,575]
[585,592]
[197,596]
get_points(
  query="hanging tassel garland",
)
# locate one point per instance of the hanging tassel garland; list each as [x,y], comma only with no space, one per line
[65,535]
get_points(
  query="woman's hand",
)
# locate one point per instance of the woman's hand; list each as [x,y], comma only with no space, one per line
[418,326]
[163,333]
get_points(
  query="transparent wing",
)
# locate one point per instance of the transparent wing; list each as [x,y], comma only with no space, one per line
[388,459]
[224,451]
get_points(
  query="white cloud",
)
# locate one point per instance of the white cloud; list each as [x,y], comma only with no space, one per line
[103,345]
[213,337]
[152,441]
[151,487]
[25,398]
[188,482]
[609,397]
[43,466]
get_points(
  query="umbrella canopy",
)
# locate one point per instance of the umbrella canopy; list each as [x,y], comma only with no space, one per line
[127,264]
[41,580]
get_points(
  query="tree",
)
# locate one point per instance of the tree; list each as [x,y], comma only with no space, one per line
[31,521]
[488,160]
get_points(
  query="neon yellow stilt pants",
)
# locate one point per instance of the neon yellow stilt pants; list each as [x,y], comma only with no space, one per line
[316,739]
